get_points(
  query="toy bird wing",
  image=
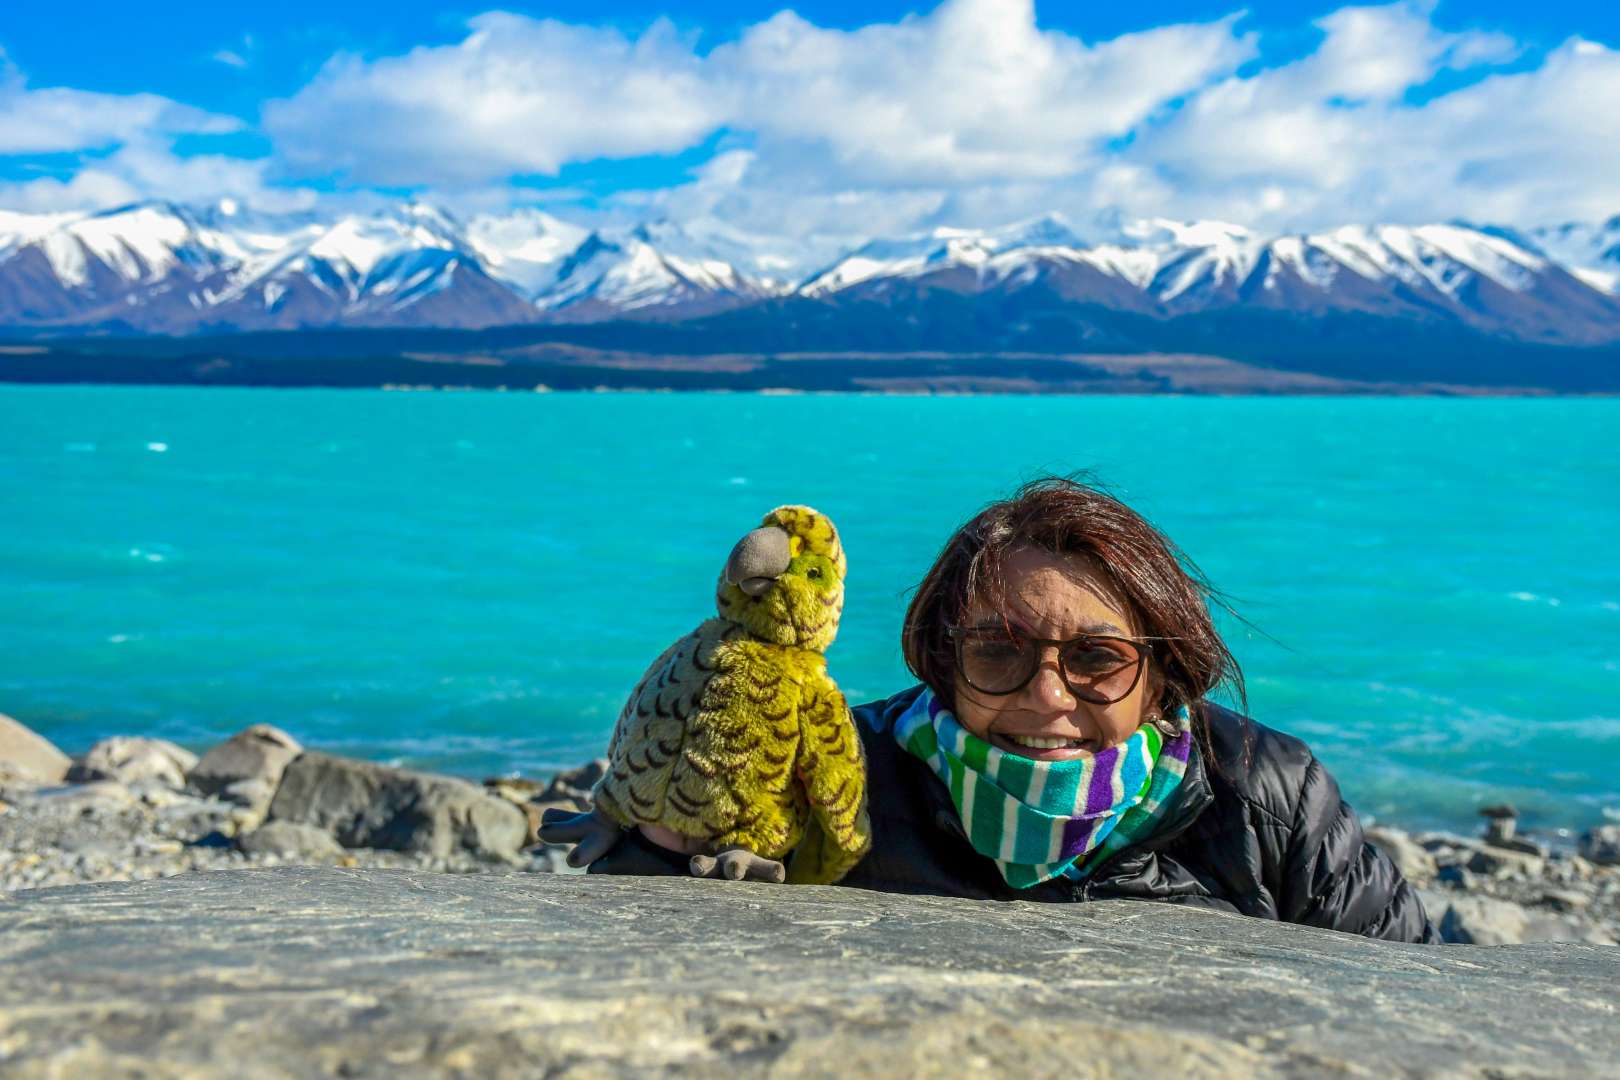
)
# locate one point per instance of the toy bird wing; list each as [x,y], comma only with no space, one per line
[833,769]
[656,775]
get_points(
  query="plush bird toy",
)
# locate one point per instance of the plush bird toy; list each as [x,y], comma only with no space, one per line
[736,740]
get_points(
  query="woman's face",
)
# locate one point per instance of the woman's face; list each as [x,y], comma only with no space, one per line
[1059,597]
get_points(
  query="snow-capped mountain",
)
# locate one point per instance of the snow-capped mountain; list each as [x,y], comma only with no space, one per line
[938,249]
[159,267]
[1591,252]
[609,275]
[1163,269]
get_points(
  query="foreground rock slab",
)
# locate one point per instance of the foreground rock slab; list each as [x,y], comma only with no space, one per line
[360,973]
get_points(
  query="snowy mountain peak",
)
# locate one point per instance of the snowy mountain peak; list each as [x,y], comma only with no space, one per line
[228,264]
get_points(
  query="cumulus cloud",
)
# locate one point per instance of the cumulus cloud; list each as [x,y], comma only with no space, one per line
[516,96]
[150,169]
[59,119]
[973,91]
[1338,136]
[971,113]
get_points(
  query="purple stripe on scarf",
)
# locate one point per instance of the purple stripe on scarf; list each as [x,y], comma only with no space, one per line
[1099,796]
[1100,793]
[1179,747]
[1077,836]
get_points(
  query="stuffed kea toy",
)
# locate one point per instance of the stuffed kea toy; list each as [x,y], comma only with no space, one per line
[736,745]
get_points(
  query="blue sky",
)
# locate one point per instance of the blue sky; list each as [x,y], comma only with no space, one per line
[1278,114]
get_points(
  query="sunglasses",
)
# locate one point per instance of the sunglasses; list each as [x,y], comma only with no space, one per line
[1098,669]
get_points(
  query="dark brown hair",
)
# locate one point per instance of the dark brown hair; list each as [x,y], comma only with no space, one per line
[1168,595]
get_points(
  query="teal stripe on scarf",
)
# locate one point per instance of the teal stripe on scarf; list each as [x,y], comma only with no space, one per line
[1041,819]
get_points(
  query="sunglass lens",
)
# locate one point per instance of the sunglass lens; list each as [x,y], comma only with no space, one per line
[1101,671]
[995,664]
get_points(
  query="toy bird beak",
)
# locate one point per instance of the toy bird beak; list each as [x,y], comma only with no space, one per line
[758,560]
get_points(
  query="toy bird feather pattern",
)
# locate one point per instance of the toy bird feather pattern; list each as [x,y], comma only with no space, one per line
[736,738]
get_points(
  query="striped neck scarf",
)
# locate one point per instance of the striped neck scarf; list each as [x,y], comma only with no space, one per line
[1039,820]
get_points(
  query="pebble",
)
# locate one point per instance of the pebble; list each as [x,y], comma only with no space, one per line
[105,831]
[1566,900]
[1456,876]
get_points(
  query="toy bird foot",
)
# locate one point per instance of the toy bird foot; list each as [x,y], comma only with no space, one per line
[738,864]
[592,834]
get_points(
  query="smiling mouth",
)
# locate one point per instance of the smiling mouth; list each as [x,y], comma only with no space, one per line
[1045,742]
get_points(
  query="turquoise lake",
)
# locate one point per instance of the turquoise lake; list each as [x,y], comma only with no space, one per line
[473,582]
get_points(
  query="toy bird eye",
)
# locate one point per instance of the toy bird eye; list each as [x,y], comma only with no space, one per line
[812,572]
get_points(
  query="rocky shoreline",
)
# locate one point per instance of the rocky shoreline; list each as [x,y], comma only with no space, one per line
[132,809]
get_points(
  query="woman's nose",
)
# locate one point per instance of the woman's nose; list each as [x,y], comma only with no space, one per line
[1050,691]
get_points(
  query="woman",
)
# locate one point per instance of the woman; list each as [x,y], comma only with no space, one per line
[1061,747]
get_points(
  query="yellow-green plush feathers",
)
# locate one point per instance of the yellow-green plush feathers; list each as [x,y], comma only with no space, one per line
[737,736]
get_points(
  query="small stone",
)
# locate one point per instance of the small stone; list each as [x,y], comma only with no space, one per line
[1579,869]
[1480,920]
[30,755]
[1443,843]
[131,760]
[259,754]
[1520,844]
[1414,863]
[96,795]
[291,840]
[514,789]
[1455,876]
[1499,862]
[243,819]
[575,784]
[1566,900]
[1601,845]
[255,791]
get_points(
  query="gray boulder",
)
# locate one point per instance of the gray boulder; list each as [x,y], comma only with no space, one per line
[369,973]
[364,804]
[1601,845]
[27,756]
[246,767]
[574,785]
[290,840]
[1501,862]
[1415,864]
[132,760]
[1466,919]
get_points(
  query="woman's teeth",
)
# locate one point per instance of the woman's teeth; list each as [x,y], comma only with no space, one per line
[1035,742]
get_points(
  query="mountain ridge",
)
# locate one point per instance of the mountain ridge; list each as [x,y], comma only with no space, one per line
[1447,303]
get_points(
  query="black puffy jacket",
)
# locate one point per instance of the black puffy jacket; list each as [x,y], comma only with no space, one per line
[1257,827]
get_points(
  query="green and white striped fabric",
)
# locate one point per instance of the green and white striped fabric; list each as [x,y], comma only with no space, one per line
[1041,819]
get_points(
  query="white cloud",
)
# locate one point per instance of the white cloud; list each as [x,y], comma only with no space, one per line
[150,169]
[971,113]
[59,119]
[1336,137]
[516,96]
[88,189]
[973,91]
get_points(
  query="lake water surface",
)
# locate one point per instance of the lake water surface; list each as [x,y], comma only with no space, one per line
[472,582]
